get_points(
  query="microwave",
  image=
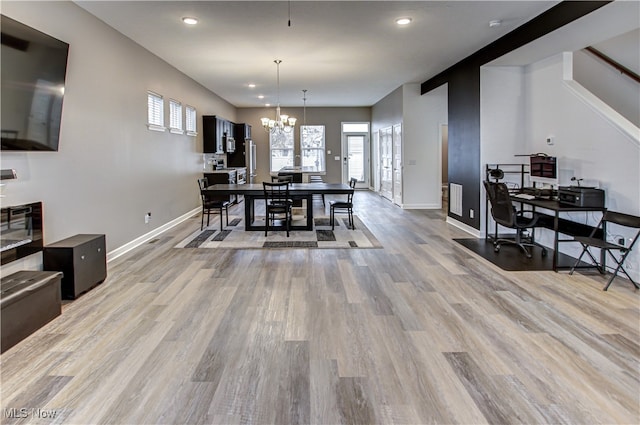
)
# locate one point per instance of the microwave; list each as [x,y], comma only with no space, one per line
[231,144]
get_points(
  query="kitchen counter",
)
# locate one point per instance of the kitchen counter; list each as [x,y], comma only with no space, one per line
[305,172]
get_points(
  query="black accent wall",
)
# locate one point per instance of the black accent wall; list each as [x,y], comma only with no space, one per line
[464,131]
[463,81]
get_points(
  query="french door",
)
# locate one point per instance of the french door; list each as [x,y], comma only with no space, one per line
[386,163]
[397,164]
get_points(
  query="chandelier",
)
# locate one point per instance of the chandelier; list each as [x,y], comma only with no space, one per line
[283,122]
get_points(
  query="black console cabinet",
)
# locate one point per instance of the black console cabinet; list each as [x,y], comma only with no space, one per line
[28,301]
[82,260]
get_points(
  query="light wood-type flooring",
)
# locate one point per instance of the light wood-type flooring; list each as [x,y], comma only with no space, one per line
[422,331]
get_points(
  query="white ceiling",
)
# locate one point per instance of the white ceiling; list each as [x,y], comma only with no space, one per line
[344,53]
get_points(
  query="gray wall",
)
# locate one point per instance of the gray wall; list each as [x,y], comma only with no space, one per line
[110,169]
[331,118]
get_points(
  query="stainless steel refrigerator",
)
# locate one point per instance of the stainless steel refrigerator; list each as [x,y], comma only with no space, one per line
[251,161]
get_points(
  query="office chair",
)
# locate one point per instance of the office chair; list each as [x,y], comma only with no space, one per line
[277,202]
[209,203]
[505,214]
[343,205]
[610,217]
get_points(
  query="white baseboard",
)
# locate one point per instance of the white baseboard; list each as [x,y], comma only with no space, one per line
[421,206]
[472,231]
[148,236]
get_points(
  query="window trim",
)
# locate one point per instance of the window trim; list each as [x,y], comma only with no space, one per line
[190,110]
[271,149]
[155,101]
[175,117]
[322,149]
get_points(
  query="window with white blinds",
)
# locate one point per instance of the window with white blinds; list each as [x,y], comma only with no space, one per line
[175,117]
[190,118]
[312,147]
[155,107]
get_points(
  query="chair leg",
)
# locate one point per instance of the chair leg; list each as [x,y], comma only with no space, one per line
[619,268]
[288,217]
[221,219]
[332,218]
[202,219]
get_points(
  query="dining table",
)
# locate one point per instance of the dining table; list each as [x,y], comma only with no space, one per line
[255,191]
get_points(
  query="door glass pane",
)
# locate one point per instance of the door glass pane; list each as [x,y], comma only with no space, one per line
[355,127]
[355,146]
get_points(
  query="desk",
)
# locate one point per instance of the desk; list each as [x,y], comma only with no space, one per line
[252,192]
[560,225]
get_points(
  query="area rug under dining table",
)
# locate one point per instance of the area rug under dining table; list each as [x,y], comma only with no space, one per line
[234,236]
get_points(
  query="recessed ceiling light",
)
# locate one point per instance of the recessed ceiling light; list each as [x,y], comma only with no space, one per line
[495,23]
[403,21]
[189,20]
[252,86]
[260,96]
[267,104]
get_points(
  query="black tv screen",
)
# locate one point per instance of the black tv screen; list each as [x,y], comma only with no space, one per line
[34,66]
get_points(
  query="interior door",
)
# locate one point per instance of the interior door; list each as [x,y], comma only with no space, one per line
[397,164]
[386,163]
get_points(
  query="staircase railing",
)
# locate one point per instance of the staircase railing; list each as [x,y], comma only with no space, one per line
[623,69]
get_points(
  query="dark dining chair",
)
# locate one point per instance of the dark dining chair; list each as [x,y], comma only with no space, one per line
[210,204]
[343,206]
[608,218]
[505,214]
[277,203]
[317,179]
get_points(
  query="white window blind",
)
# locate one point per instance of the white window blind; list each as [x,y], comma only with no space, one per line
[155,107]
[175,117]
[190,117]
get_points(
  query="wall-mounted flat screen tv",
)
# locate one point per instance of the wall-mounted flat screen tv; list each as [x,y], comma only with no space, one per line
[34,66]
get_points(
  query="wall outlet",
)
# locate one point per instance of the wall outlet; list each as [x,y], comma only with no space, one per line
[147,218]
[471,213]
[551,141]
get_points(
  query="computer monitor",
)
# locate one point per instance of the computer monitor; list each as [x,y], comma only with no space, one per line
[543,169]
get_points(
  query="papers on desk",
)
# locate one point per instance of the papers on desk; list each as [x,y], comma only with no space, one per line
[524,196]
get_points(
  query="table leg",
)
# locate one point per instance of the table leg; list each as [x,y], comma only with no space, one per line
[249,212]
[309,199]
[556,224]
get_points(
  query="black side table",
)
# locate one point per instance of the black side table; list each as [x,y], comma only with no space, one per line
[81,258]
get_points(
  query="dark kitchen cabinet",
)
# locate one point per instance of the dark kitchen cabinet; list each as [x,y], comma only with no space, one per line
[243,131]
[215,130]
[82,260]
[242,134]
